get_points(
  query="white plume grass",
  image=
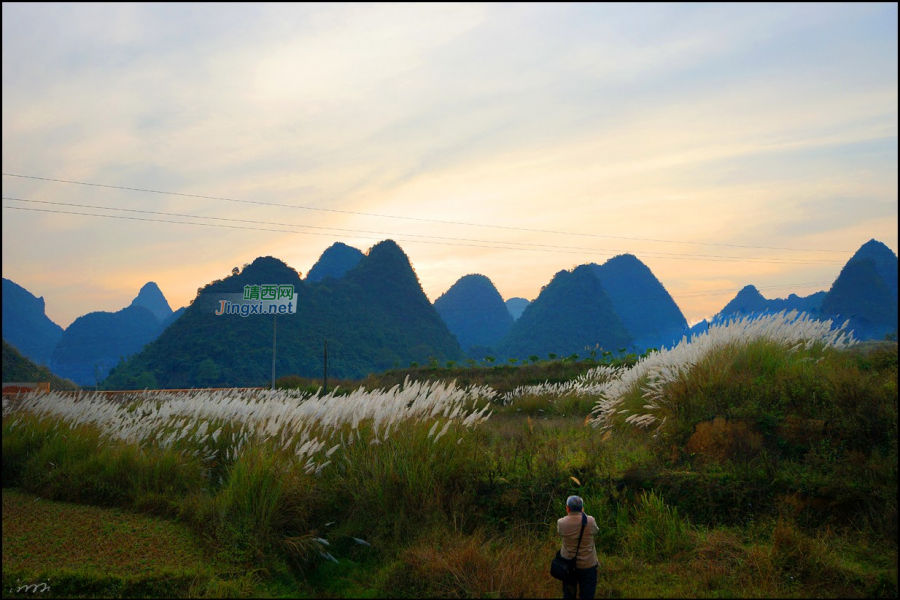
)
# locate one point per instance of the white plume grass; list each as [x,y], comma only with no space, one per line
[300,424]
[652,373]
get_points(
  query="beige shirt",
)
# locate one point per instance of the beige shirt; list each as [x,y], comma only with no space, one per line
[569,527]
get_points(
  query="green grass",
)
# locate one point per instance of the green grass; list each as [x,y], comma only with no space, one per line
[473,514]
[87,551]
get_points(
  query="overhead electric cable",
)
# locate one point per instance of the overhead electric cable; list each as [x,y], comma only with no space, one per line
[66,212]
[510,245]
[636,298]
[444,222]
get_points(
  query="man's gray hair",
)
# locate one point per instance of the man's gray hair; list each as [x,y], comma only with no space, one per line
[575,503]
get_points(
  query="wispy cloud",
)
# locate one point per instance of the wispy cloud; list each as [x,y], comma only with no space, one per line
[726,123]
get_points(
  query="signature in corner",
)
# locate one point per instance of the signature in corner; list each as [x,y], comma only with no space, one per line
[31,588]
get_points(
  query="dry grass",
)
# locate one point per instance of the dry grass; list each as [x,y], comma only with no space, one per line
[471,566]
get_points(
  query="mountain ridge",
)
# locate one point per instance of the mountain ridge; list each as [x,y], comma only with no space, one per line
[97,341]
[864,293]
[26,325]
[383,288]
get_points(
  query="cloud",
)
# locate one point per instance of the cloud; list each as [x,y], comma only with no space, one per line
[740,124]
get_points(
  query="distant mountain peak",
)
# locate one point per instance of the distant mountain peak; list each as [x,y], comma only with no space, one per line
[640,300]
[26,325]
[263,262]
[624,259]
[866,291]
[516,306]
[387,265]
[874,245]
[474,312]
[884,259]
[750,291]
[334,262]
[387,248]
[877,252]
[152,298]
[750,301]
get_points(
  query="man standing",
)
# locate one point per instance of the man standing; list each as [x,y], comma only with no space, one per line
[569,528]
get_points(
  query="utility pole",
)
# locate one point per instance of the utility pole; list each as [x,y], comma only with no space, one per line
[274,328]
[325,374]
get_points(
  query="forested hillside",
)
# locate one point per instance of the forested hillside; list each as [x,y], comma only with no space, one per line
[374,318]
[572,315]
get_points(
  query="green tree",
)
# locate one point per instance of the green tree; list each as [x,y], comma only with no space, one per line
[146,381]
[208,372]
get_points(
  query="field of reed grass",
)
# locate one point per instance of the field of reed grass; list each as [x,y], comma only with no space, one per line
[758,459]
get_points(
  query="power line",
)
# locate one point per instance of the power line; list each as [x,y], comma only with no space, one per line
[66,212]
[642,297]
[666,293]
[521,245]
[421,219]
[749,259]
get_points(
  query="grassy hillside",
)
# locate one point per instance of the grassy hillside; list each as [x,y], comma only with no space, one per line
[20,368]
[757,461]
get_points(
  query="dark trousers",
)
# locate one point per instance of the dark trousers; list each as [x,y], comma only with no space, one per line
[585,581]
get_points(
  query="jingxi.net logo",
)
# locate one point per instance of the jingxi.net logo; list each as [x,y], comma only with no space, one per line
[268,299]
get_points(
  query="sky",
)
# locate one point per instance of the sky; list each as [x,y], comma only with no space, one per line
[723,145]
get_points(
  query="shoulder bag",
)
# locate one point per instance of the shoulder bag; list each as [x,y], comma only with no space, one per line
[564,568]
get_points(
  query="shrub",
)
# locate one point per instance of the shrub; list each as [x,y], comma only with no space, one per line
[656,531]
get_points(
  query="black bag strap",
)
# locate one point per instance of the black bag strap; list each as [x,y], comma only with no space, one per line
[583,523]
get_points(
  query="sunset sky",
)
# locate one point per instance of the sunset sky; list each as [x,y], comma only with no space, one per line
[721,144]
